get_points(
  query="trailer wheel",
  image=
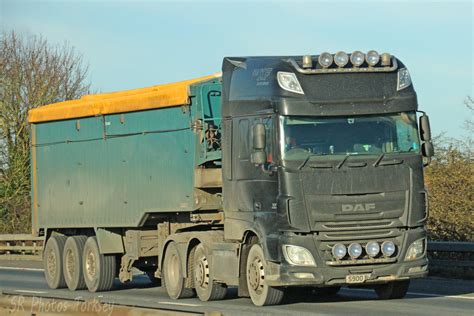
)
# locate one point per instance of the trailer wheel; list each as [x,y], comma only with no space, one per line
[206,288]
[260,293]
[173,278]
[72,262]
[53,263]
[99,269]
[392,290]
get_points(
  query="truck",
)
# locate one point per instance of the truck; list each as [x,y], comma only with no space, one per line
[279,173]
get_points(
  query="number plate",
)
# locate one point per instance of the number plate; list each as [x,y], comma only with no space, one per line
[357,278]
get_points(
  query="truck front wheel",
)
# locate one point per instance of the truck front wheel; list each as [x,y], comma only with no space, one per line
[173,277]
[260,293]
[392,290]
[72,262]
[53,262]
[206,288]
[99,269]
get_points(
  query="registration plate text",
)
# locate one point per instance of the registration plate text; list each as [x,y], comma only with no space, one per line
[357,278]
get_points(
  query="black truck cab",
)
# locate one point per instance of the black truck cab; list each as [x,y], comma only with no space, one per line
[323,165]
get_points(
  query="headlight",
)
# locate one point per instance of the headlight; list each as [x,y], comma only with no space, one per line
[341,59]
[289,82]
[357,58]
[372,248]
[339,251]
[325,60]
[298,256]
[388,248]
[372,58]
[355,250]
[416,250]
[403,79]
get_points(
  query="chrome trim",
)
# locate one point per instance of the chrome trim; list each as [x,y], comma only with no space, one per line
[360,261]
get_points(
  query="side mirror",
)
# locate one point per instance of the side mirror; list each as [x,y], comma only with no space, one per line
[427,149]
[258,157]
[425,130]
[259,137]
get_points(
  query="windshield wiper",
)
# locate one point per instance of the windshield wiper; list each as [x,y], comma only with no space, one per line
[339,165]
[307,159]
[378,160]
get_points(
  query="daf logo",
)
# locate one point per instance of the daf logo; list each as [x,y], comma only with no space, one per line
[358,207]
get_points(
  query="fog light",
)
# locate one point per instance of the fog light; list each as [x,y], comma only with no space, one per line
[372,248]
[325,59]
[355,250]
[388,248]
[341,59]
[339,251]
[357,58]
[372,58]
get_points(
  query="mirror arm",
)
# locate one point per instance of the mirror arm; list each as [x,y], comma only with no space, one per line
[427,161]
[268,168]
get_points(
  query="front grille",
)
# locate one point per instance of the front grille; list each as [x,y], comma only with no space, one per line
[360,225]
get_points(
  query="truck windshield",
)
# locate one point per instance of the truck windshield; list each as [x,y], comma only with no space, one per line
[348,135]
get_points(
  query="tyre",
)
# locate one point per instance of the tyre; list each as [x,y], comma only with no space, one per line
[206,288]
[260,293]
[72,262]
[392,290]
[173,278]
[99,269]
[53,262]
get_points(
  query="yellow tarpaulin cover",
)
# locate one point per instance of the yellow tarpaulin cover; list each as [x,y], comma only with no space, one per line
[166,95]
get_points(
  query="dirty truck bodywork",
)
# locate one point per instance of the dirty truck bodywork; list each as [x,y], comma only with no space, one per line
[280,172]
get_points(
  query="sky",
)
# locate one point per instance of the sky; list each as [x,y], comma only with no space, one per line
[131,44]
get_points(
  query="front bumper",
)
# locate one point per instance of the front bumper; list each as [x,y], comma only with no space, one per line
[284,274]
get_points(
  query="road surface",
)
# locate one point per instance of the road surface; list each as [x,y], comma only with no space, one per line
[431,296]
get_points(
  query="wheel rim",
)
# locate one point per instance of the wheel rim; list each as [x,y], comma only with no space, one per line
[256,275]
[52,266]
[173,269]
[70,266]
[202,272]
[91,262]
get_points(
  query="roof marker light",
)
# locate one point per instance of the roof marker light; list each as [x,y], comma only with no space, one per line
[386,59]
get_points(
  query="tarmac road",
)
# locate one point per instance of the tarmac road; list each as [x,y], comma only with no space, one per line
[430,296]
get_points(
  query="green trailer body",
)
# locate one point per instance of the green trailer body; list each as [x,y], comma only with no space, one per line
[116,170]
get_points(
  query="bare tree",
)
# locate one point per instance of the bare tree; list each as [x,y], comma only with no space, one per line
[32,73]
[449,179]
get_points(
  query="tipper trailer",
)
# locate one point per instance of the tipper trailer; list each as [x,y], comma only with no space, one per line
[280,172]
